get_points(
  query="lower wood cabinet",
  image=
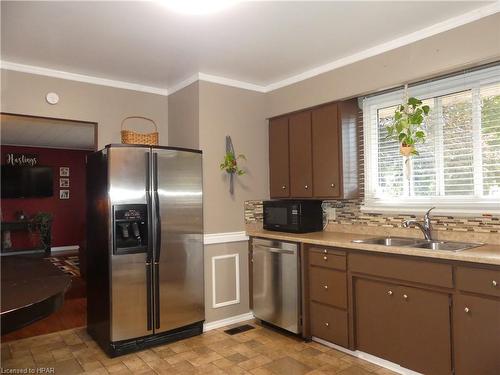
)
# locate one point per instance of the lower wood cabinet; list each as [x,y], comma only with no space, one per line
[375,319]
[476,333]
[329,323]
[408,326]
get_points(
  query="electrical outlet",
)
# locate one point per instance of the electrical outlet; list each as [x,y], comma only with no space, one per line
[331,213]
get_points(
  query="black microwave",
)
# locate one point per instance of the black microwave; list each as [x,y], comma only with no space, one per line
[296,216]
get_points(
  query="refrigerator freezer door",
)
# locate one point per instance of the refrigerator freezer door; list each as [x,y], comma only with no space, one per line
[129,171]
[179,290]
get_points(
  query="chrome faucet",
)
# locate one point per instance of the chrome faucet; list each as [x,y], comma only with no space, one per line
[425,227]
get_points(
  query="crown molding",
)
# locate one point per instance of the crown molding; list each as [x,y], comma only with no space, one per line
[231,82]
[416,36]
[8,65]
[179,86]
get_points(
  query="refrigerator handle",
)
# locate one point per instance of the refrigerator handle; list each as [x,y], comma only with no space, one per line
[157,207]
[149,254]
[158,242]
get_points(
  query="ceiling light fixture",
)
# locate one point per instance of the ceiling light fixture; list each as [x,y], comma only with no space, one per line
[198,7]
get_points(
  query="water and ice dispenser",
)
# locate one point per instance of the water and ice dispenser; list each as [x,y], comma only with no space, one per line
[130,224]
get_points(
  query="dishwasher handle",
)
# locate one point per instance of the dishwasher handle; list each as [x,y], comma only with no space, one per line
[275,249]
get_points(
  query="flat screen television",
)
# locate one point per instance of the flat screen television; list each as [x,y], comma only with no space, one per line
[26,182]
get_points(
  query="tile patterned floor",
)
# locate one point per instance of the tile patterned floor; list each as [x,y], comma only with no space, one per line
[260,351]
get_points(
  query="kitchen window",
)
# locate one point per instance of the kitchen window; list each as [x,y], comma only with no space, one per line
[458,166]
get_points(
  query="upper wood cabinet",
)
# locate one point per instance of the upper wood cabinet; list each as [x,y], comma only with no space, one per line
[300,155]
[278,158]
[326,151]
[322,150]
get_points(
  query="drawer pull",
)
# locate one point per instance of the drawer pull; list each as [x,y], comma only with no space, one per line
[283,187]
[494,283]
[325,251]
[306,187]
[326,258]
[332,185]
[467,310]
[325,286]
[405,296]
[327,324]
[390,292]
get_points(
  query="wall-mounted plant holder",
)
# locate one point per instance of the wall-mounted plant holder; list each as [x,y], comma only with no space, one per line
[230,163]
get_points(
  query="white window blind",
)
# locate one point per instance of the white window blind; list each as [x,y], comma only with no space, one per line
[458,166]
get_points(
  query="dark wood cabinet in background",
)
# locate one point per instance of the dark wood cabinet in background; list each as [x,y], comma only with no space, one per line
[375,319]
[326,151]
[476,321]
[322,150]
[408,326]
[300,155]
[424,330]
[278,158]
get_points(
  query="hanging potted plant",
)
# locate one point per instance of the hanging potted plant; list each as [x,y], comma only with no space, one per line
[230,163]
[407,126]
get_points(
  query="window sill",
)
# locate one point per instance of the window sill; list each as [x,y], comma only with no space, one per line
[461,210]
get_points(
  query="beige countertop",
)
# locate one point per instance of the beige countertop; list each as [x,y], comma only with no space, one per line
[485,254]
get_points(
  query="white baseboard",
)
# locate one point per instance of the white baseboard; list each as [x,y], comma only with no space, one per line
[368,357]
[64,248]
[228,321]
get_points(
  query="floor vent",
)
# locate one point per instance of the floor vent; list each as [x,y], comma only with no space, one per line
[239,329]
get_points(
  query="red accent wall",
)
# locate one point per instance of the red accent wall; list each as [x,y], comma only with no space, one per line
[68,227]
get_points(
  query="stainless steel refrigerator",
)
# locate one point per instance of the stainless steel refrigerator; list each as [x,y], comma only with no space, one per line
[144,246]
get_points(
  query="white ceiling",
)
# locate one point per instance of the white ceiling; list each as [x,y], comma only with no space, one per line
[41,132]
[261,43]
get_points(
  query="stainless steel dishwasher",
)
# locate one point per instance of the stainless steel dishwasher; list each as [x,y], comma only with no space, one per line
[276,283]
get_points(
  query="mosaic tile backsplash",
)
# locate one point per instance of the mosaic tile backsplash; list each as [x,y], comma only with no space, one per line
[348,212]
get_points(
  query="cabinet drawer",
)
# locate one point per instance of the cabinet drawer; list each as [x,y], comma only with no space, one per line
[478,280]
[418,271]
[329,323]
[328,286]
[327,258]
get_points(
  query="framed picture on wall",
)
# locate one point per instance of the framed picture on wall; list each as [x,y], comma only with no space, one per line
[64,171]
[63,194]
[64,182]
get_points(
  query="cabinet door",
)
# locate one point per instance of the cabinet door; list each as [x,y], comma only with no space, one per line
[300,155]
[278,158]
[326,151]
[329,323]
[425,338]
[376,318]
[476,328]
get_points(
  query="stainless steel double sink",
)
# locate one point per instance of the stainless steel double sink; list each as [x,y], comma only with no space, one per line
[419,243]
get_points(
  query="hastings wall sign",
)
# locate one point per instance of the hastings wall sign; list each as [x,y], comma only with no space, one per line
[21,160]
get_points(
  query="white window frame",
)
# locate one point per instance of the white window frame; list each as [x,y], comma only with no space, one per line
[461,206]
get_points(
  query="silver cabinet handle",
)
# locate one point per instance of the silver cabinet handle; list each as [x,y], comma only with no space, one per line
[466,309]
[327,324]
[325,258]
[325,286]
[325,251]
[332,185]
[283,187]
[390,292]
[405,296]
[306,187]
[494,283]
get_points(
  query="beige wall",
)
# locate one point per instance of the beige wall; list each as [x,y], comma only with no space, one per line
[239,113]
[183,117]
[24,93]
[473,43]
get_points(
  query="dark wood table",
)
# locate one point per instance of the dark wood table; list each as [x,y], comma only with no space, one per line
[31,289]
